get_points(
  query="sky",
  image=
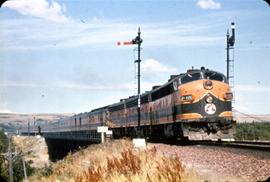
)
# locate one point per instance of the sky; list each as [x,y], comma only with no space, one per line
[61,56]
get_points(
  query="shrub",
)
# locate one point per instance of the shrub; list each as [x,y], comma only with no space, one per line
[253,131]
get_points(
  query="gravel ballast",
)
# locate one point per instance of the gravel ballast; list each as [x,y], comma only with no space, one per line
[221,163]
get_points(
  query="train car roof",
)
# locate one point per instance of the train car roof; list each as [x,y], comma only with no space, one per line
[100,109]
[117,103]
[170,80]
[203,69]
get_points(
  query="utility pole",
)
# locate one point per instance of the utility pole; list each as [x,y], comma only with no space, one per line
[9,155]
[28,128]
[24,169]
[10,158]
[34,127]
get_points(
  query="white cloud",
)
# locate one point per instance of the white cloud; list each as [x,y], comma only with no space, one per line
[37,35]
[6,111]
[208,4]
[153,66]
[64,84]
[128,87]
[114,86]
[252,98]
[77,86]
[12,83]
[67,85]
[38,8]
[4,106]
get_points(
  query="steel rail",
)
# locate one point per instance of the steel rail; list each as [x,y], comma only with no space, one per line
[254,145]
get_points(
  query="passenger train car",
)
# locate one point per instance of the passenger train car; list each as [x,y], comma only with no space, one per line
[196,105]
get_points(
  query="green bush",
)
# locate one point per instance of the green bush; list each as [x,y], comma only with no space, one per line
[3,162]
[3,141]
[253,131]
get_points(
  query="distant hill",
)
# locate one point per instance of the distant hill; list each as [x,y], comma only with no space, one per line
[24,118]
[12,121]
[241,117]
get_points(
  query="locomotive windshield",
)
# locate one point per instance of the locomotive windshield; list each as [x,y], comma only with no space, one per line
[214,76]
[205,74]
[191,77]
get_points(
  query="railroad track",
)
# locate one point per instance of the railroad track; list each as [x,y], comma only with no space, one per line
[255,145]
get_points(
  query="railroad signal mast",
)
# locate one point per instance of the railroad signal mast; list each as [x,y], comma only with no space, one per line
[230,61]
[137,40]
[230,46]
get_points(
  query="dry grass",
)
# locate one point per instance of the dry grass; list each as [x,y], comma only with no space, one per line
[134,165]
[73,165]
[34,149]
[117,161]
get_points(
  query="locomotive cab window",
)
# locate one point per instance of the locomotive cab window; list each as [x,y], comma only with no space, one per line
[190,77]
[214,76]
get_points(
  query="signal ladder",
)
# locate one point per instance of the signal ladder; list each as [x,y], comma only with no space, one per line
[231,79]
[135,81]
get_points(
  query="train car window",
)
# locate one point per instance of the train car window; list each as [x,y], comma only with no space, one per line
[144,99]
[80,121]
[162,92]
[116,107]
[100,117]
[190,77]
[214,76]
[155,95]
[132,103]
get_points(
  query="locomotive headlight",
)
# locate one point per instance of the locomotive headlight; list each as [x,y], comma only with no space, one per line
[228,96]
[208,84]
[187,98]
[209,99]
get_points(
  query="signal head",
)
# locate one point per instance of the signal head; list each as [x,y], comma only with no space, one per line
[232,25]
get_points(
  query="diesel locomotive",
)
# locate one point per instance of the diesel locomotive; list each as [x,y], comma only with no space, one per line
[196,105]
